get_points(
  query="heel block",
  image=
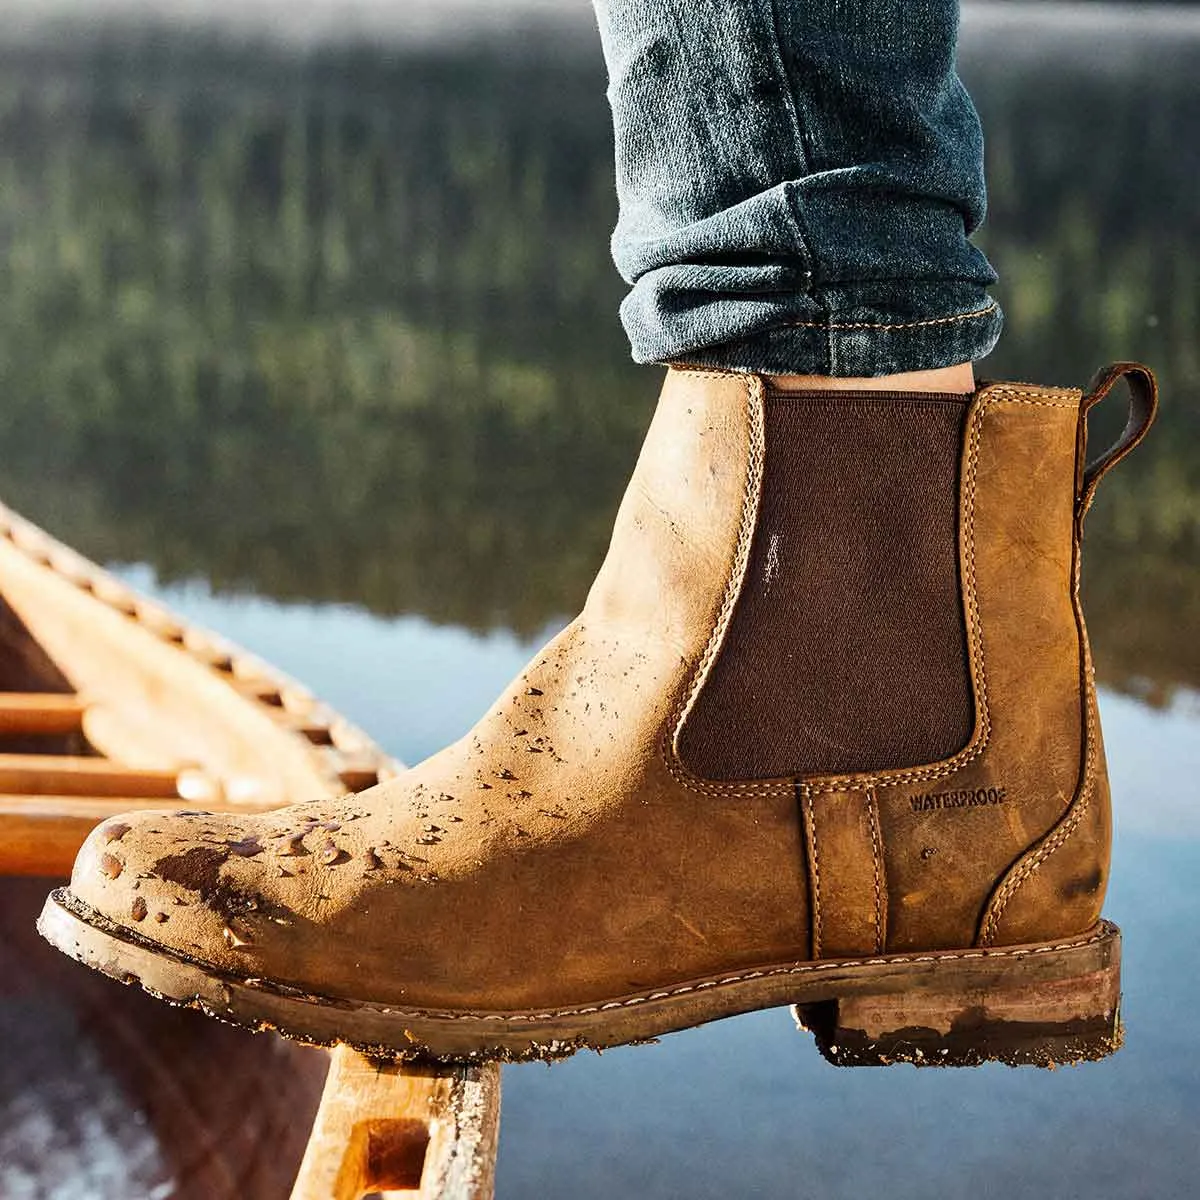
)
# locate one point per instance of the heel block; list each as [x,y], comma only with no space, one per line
[1038,1013]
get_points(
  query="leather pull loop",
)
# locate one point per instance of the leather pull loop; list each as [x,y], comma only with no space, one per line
[1143,405]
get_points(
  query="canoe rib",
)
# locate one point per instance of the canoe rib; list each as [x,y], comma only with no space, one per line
[428,1133]
[40,713]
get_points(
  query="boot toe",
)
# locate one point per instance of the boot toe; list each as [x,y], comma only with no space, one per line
[157,874]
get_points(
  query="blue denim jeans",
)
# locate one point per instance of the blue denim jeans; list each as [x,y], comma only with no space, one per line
[798,181]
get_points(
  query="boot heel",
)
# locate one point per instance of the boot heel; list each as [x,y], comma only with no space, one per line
[1023,1016]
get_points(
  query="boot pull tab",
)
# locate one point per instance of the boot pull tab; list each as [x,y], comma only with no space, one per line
[1143,404]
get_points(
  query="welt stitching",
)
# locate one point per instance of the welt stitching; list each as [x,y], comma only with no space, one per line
[816,876]
[1104,930]
[979,312]
[873,818]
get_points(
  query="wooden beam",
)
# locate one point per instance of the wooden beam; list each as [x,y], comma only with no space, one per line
[67,775]
[40,712]
[42,834]
[402,1131]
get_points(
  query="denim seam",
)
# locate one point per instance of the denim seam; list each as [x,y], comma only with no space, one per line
[800,142]
[979,312]
[781,67]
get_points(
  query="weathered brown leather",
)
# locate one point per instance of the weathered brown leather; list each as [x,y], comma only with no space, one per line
[1026,757]
[847,876]
[562,853]
[570,854]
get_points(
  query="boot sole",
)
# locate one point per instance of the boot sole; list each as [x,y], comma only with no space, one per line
[1048,1004]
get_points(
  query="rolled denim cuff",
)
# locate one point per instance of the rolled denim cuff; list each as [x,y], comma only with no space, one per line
[915,329]
[843,280]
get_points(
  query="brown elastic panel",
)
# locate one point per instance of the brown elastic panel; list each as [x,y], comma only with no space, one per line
[847,650]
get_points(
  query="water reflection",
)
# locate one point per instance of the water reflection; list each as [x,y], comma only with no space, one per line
[336,329]
[106,1094]
[301,324]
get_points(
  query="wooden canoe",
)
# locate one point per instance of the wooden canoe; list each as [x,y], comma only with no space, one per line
[108,702]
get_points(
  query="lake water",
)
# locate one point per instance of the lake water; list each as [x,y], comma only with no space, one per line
[316,341]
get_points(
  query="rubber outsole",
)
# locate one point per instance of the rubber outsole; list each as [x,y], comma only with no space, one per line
[1065,994]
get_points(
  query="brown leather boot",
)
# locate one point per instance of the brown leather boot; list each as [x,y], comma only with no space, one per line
[824,734]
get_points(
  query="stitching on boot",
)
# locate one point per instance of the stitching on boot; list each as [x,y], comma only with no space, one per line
[811,833]
[814,858]
[1102,931]
[741,558]
[807,968]
[877,853]
[1058,398]
[979,741]
[1052,842]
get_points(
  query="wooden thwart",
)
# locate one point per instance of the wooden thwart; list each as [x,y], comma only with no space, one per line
[40,713]
[65,775]
[402,1131]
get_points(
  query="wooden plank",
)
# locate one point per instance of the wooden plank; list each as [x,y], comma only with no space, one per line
[42,834]
[402,1131]
[40,712]
[69,775]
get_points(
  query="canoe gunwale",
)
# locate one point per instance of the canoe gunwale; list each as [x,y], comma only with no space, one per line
[457,1107]
[340,754]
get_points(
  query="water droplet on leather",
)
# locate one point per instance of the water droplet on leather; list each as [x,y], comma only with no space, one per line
[248,847]
[331,855]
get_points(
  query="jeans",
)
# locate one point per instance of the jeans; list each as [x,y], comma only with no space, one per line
[798,180]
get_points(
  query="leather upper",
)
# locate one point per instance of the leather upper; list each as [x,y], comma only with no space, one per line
[562,853]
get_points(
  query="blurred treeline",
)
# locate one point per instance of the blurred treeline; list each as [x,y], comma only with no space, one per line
[340,325]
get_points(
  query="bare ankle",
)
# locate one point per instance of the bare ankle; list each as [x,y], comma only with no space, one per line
[959,379]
